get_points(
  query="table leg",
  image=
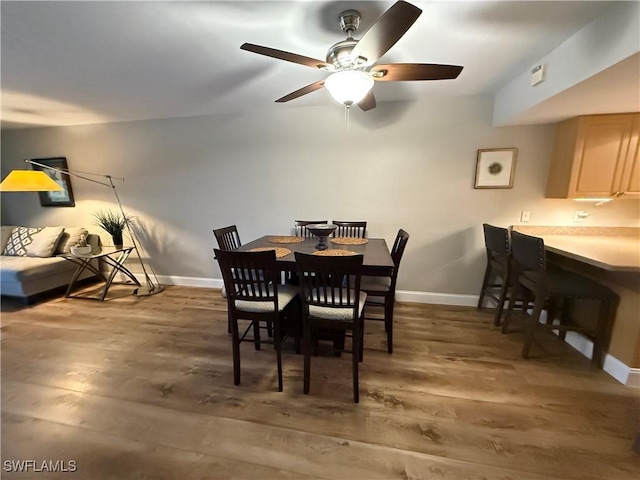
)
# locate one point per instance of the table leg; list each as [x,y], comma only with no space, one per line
[117,266]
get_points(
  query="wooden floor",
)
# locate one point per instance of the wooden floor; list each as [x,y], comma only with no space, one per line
[142,388]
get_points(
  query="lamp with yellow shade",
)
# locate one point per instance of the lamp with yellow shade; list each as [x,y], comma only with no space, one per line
[39,181]
[29,181]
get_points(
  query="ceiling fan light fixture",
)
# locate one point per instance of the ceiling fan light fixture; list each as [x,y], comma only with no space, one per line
[349,86]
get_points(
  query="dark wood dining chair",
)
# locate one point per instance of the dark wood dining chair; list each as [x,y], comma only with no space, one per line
[350,229]
[497,274]
[555,290]
[381,291]
[300,227]
[255,296]
[227,237]
[330,306]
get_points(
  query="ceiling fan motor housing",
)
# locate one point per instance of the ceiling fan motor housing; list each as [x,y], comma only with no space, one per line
[349,21]
[340,53]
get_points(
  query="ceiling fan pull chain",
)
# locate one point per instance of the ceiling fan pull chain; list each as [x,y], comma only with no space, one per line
[346,114]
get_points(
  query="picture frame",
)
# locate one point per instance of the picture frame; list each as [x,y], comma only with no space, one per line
[62,198]
[495,168]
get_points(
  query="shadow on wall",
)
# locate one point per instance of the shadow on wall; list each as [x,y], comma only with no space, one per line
[163,253]
[452,264]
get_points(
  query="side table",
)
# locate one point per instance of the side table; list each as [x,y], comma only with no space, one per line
[112,256]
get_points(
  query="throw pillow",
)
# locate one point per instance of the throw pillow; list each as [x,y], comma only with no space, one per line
[6,233]
[69,238]
[44,242]
[18,241]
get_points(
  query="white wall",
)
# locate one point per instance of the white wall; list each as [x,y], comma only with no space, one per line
[401,165]
[606,41]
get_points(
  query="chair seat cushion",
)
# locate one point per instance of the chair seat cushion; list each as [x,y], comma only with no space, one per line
[375,284]
[286,293]
[337,313]
[568,284]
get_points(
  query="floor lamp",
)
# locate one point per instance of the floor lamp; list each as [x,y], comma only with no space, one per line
[31,180]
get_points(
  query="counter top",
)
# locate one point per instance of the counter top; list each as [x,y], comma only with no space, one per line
[616,250]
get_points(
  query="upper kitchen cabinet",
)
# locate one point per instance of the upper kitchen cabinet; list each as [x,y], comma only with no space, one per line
[595,156]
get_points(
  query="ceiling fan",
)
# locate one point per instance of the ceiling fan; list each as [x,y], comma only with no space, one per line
[352,62]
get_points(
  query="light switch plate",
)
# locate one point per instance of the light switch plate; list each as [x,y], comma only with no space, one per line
[525,215]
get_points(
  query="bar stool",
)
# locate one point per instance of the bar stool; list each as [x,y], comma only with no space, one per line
[555,290]
[496,240]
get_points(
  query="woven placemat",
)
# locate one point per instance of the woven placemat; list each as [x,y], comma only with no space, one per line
[280,251]
[334,253]
[286,239]
[349,241]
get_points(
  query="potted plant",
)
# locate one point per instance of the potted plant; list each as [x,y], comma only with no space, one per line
[113,223]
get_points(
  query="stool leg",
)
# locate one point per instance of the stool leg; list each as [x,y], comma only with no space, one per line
[601,330]
[565,316]
[533,325]
[503,298]
[515,291]
[485,281]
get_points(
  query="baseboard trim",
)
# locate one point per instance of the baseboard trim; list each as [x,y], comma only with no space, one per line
[437,298]
[190,281]
[623,373]
[633,380]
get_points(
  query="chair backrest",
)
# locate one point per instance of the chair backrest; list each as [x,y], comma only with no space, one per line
[397,251]
[350,229]
[249,276]
[529,260]
[497,244]
[324,282]
[301,227]
[528,252]
[227,237]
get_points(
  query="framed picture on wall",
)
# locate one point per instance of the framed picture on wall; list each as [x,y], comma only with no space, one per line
[495,168]
[64,197]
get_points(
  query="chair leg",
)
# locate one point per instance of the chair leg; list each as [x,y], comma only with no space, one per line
[361,352]
[235,345]
[533,325]
[229,321]
[307,358]
[388,322]
[485,281]
[354,363]
[277,341]
[256,333]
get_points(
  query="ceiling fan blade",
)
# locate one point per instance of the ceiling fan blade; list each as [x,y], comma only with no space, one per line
[302,91]
[397,72]
[282,55]
[368,102]
[385,32]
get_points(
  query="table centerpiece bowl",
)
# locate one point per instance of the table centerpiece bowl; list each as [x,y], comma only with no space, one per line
[322,231]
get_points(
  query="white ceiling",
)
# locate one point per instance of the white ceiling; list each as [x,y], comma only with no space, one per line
[70,63]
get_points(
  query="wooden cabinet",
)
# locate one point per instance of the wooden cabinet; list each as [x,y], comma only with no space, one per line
[595,156]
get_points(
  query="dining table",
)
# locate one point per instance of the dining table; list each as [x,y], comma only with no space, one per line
[377,260]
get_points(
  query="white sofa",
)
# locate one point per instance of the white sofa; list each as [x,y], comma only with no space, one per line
[31,261]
